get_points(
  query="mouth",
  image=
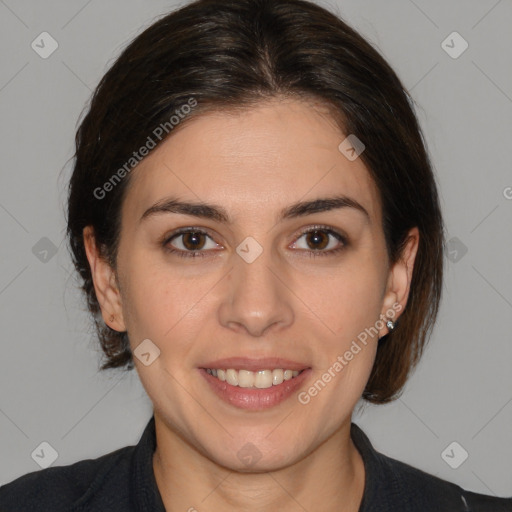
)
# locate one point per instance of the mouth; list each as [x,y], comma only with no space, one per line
[260,379]
[254,383]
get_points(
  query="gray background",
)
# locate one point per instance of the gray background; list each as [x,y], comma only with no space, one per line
[50,386]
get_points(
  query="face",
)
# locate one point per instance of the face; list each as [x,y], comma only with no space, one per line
[267,273]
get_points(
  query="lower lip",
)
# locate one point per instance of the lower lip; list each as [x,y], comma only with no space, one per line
[253,398]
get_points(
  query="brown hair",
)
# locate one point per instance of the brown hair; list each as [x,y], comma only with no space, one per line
[231,54]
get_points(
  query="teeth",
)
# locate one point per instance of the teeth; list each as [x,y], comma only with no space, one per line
[245,379]
[259,379]
[232,377]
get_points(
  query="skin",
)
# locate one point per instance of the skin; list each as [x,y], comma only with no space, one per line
[254,163]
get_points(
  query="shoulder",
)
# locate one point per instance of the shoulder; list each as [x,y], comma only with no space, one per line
[434,493]
[393,485]
[66,488]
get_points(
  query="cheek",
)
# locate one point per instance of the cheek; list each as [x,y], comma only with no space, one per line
[347,301]
[157,300]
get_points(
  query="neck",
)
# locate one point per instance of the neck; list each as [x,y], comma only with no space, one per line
[189,481]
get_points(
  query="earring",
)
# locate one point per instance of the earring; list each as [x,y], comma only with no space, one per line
[390,325]
[112,318]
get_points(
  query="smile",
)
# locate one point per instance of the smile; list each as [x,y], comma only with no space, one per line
[260,379]
[256,390]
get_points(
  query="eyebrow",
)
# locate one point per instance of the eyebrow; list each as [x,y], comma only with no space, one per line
[219,214]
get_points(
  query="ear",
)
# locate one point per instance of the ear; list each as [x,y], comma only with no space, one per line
[399,281]
[105,283]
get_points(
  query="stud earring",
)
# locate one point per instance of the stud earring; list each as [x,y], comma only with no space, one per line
[112,318]
[390,325]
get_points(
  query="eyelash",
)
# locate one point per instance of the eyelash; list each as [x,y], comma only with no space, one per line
[311,253]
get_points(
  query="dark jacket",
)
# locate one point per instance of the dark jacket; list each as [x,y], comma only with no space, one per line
[124,481]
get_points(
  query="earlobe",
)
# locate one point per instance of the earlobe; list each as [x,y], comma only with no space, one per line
[105,284]
[399,281]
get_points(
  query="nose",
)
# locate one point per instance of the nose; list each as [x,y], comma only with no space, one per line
[256,297]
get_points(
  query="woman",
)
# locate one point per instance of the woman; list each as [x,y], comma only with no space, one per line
[257,226]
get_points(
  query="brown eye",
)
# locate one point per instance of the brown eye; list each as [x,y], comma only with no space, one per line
[317,239]
[320,241]
[193,240]
[190,242]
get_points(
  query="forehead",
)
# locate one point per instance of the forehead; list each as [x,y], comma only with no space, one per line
[253,161]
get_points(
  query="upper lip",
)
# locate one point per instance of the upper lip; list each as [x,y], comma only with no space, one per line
[245,363]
